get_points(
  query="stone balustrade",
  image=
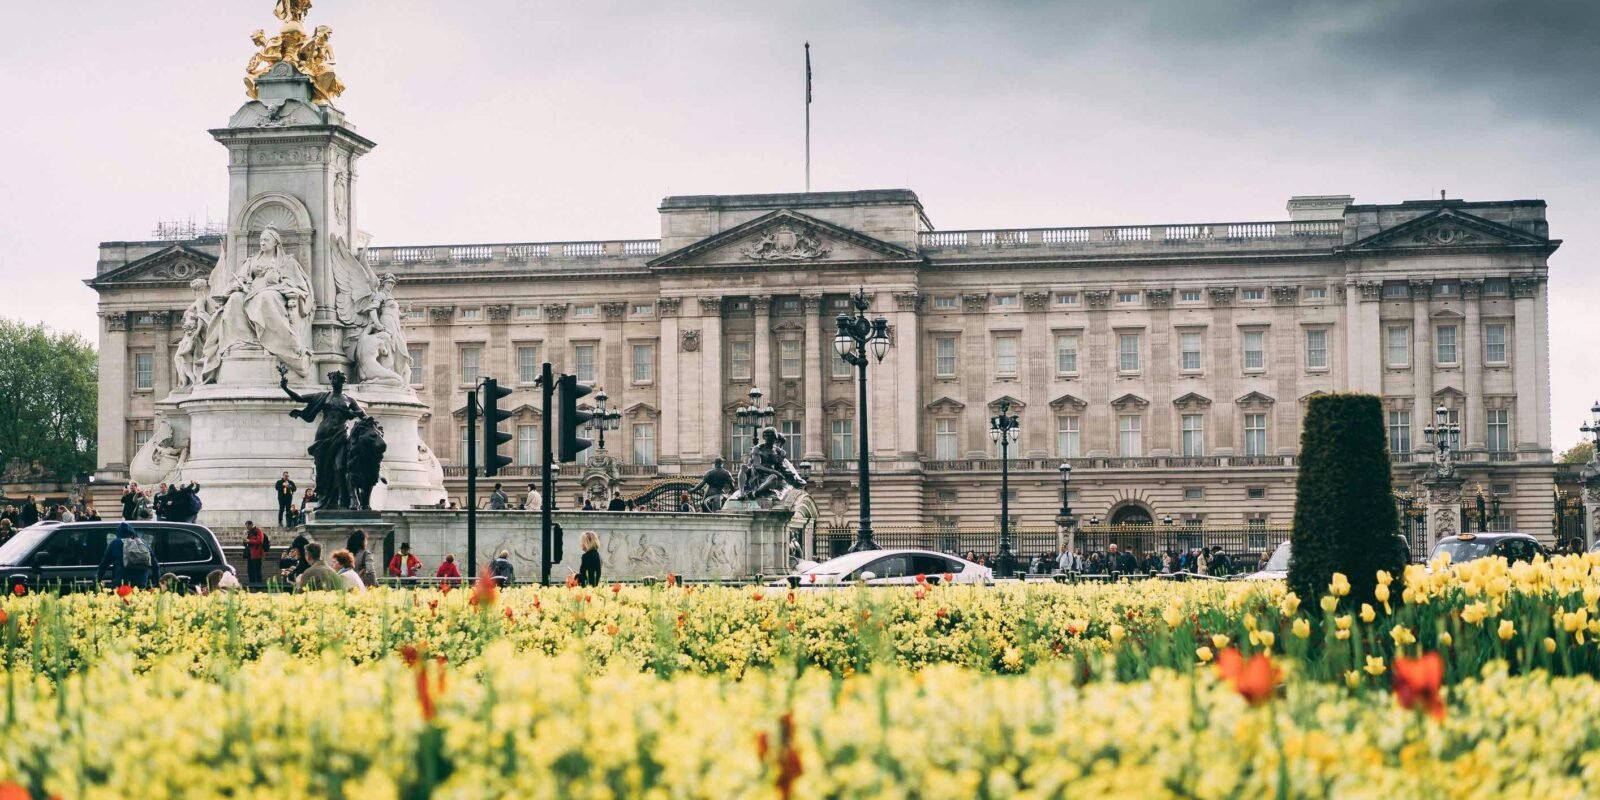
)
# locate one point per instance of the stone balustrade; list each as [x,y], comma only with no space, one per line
[554,252]
[1318,233]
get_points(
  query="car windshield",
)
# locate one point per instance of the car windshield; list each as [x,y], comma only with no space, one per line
[1462,550]
[1280,559]
[18,548]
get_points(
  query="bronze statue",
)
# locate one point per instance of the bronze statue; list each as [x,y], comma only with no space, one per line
[363,456]
[766,469]
[328,448]
[718,483]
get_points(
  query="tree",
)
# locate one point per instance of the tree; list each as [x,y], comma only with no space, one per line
[1579,453]
[1345,519]
[48,400]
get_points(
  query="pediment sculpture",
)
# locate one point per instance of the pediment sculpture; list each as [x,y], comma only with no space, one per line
[785,242]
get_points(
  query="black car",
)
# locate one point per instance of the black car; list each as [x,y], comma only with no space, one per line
[68,555]
[1512,547]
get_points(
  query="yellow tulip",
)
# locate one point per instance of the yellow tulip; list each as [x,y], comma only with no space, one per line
[1302,628]
[1172,616]
[1340,586]
[1117,633]
[1352,678]
[1342,635]
[1290,604]
[1263,639]
[1474,613]
[1374,666]
[1384,578]
[1329,603]
[1507,630]
[1343,622]
[1219,640]
[1549,645]
[1445,639]
[1204,654]
[1367,614]
[1402,636]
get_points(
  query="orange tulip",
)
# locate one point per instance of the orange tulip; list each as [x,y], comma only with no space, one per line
[1255,679]
[1417,681]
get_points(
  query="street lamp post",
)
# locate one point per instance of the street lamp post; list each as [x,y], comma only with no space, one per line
[856,335]
[754,416]
[1592,428]
[1066,524]
[1066,500]
[1003,428]
[604,419]
[1445,436]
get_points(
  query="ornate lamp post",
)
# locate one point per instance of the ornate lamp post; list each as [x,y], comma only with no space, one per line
[856,335]
[754,416]
[1066,500]
[1592,428]
[1066,524]
[1445,436]
[1004,429]
[1442,484]
[604,419]
[1589,500]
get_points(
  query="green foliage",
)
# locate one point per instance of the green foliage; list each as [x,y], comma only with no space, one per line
[48,400]
[1579,453]
[1345,519]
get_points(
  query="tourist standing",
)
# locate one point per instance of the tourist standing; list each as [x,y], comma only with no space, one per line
[345,567]
[502,570]
[255,552]
[404,564]
[498,499]
[129,558]
[589,565]
[317,576]
[285,493]
[29,515]
[66,514]
[616,503]
[534,502]
[362,557]
[130,500]
[684,504]
[448,573]
[161,502]
[291,564]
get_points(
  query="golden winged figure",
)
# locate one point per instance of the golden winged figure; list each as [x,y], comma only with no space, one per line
[311,55]
[292,10]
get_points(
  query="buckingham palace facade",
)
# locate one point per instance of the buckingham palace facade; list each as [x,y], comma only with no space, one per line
[1169,364]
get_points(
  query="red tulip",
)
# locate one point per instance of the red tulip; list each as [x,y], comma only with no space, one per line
[921,578]
[12,791]
[4,617]
[124,590]
[572,580]
[616,588]
[1417,681]
[485,589]
[756,596]
[19,590]
[1255,679]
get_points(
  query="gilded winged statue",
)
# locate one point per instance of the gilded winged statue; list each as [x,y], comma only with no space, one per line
[292,10]
[312,55]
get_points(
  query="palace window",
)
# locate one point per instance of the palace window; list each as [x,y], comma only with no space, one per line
[1446,340]
[527,445]
[416,314]
[141,438]
[1127,298]
[644,363]
[841,367]
[583,362]
[1067,441]
[739,359]
[793,431]
[944,357]
[1005,301]
[1396,291]
[1399,431]
[789,359]
[1255,350]
[1194,493]
[584,311]
[144,370]
[740,441]
[1499,433]
[644,309]
[1189,296]
[1067,354]
[1249,295]
[469,366]
[1494,344]
[472,313]
[945,446]
[1256,492]
[1066,298]
[644,443]
[842,440]
[1127,352]
[528,366]
[1189,352]
[945,302]
[1194,435]
[527,312]
[415,354]
[1255,434]
[1496,286]
[1398,345]
[1005,356]
[1316,293]
[1317,348]
[1130,441]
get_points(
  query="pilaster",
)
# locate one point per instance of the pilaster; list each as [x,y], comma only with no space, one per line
[1444,507]
[1473,431]
[761,306]
[908,373]
[711,388]
[818,348]
[1525,372]
[671,357]
[112,428]
[1422,364]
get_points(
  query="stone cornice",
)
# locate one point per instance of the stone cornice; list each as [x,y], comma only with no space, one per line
[442,315]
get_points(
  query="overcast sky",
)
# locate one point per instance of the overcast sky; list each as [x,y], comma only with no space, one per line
[520,120]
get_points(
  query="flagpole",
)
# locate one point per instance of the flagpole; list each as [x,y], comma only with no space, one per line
[808,117]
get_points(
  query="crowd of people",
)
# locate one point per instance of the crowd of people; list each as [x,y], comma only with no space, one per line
[1213,561]
[16,516]
[178,502]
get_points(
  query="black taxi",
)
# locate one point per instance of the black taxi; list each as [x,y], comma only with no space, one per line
[1508,545]
[67,555]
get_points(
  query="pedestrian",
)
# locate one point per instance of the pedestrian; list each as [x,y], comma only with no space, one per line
[6,531]
[502,570]
[290,565]
[317,576]
[295,517]
[129,558]
[89,514]
[584,503]
[362,557]
[684,504]
[534,501]
[186,504]
[161,502]
[130,500]
[404,564]
[65,514]
[345,567]
[589,565]
[255,551]
[285,493]
[498,499]
[616,503]
[448,573]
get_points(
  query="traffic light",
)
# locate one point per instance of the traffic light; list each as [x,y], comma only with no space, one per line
[568,391]
[555,543]
[493,393]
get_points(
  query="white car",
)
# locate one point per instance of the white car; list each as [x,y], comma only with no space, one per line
[889,568]
[1277,567]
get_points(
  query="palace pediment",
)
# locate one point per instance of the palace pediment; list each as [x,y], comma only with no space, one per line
[1448,228]
[177,264]
[786,239]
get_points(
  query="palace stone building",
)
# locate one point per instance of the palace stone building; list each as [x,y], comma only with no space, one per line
[1170,364]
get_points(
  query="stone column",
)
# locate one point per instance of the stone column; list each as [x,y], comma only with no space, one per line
[1422,365]
[615,371]
[819,346]
[881,388]
[711,388]
[112,430]
[1364,336]
[1444,507]
[761,304]
[161,378]
[671,445]
[908,373]
[1473,431]
[1525,369]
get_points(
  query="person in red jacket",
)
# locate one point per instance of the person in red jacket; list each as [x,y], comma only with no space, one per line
[404,564]
[255,551]
[448,572]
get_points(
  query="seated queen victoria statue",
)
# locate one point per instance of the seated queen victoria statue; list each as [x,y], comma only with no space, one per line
[266,302]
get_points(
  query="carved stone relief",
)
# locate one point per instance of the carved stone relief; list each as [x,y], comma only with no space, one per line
[710,306]
[785,242]
[1097,298]
[1446,235]
[906,301]
[1221,295]
[1158,298]
[1036,301]
[976,302]
[555,312]
[1285,295]
[499,313]
[668,306]
[442,314]
[689,341]
[613,311]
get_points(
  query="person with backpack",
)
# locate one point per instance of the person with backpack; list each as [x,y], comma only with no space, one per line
[129,559]
[502,570]
[256,545]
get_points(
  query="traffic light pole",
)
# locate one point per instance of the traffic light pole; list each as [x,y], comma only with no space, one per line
[547,388]
[472,483]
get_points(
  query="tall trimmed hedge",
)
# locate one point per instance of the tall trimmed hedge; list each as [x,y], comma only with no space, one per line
[1345,519]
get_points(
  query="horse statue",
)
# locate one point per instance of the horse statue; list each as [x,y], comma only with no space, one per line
[362,458]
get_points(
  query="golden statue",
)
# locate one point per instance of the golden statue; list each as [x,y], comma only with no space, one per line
[312,56]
